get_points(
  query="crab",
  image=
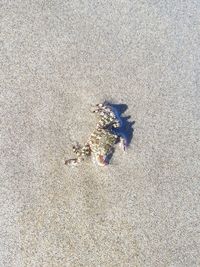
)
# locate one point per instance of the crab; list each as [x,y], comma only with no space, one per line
[101,142]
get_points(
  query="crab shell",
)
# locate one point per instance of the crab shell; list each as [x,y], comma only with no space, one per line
[101,145]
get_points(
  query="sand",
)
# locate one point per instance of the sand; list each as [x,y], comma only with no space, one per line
[57,59]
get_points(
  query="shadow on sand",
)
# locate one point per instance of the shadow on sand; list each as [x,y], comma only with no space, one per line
[126,130]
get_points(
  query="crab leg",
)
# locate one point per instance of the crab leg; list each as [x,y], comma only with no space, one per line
[123,143]
[81,154]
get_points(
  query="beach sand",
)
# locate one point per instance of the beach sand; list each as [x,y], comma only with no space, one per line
[57,59]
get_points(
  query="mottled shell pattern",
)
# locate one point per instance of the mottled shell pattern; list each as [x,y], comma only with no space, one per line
[101,142]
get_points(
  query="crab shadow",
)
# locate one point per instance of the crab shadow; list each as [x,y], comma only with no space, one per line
[126,129]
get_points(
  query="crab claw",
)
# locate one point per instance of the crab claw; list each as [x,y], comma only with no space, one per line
[71,162]
[101,160]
